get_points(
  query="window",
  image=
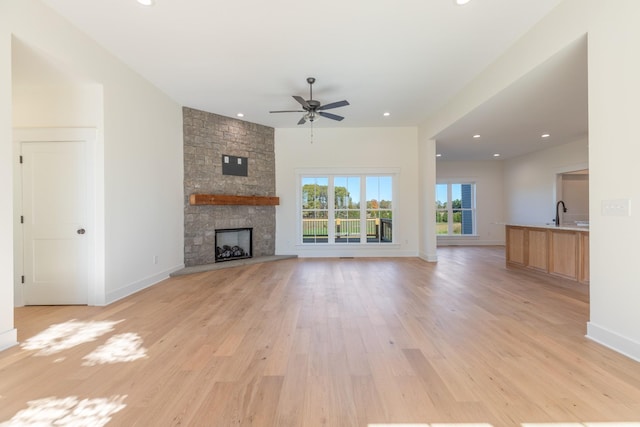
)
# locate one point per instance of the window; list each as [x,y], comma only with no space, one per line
[455,209]
[347,209]
[315,209]
[379,209]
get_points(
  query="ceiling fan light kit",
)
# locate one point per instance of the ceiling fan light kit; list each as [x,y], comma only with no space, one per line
[312,108]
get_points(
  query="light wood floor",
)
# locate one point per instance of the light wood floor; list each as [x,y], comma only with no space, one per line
[336,342]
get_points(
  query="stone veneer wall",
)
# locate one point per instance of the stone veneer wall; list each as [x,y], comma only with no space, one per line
[207,137]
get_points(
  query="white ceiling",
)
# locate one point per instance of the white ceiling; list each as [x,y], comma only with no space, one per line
[407,58]
[551,99]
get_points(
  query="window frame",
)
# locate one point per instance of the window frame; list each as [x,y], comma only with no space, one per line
[450,210]
[302,210]
[331,232]
[347,238]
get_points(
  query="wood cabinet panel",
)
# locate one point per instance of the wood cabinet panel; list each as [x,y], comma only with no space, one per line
[538,252]
[515,245]
[564,254]
[583,268]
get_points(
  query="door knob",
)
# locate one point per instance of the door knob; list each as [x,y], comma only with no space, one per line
[81,231]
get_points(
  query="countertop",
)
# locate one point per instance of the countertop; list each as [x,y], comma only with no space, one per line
[571,227]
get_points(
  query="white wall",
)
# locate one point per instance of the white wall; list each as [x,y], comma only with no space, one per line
[427,245]
[489,179]
[614,90]
[41,105]
[139,159]
[8,334]
[357,149]
[530,181]
[143,187]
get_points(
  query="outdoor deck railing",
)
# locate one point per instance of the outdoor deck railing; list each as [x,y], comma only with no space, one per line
[375,228]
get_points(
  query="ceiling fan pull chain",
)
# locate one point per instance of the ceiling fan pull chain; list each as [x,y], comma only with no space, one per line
[312,132]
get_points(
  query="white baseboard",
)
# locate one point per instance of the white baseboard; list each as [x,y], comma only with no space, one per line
[131,289]
[614,341]
[428,258]
[8,339]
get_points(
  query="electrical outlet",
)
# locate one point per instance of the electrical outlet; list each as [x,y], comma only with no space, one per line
[155,259]
[618,207]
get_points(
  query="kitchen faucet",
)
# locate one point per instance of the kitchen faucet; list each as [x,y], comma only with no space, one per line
[564,209]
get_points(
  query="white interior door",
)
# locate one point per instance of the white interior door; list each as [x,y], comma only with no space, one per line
[54,209]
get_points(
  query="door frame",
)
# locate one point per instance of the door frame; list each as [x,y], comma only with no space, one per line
[96,232]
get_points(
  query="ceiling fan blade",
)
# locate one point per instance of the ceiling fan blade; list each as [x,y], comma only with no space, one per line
[330,116]
[333,105]
[288,111]
[301,100]
[302,121]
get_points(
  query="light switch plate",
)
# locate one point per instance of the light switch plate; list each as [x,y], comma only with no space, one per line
[617,207]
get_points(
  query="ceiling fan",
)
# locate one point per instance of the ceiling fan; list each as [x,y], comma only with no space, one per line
[313,108]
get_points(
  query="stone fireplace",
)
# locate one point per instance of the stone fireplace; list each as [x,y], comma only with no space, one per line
[208,138]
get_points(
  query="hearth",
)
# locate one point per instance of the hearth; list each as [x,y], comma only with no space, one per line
[233,243]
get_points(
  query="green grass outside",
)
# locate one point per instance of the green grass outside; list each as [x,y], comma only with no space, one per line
[442,228]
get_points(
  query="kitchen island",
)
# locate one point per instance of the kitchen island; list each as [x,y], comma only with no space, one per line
[559,251]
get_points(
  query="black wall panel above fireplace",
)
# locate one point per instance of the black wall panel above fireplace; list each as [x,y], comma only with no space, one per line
[237,166]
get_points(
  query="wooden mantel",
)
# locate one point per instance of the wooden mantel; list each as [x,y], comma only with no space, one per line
[225,199]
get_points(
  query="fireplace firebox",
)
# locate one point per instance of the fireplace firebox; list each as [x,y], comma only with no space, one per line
[233,243]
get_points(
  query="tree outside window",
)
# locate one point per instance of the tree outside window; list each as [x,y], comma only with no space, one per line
[379,209]
[347,209]
[315,209]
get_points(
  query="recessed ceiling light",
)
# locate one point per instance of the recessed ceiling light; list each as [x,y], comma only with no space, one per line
[438,155]
[386,114]
[240,114]
[476,136]
[496,155]
[146,2]
[462,2]
[545,135]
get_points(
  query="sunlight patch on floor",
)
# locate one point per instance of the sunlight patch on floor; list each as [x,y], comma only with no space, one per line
[66,335]
[68,411]
[119,348]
